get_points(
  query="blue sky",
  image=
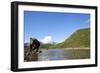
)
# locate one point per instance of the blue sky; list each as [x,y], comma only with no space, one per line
[52,26]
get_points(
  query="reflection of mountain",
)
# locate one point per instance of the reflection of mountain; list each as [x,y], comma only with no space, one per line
[79,39]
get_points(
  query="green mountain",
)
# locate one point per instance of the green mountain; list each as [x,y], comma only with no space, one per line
[79,39]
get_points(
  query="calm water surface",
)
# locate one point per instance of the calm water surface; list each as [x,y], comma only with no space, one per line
[63,54]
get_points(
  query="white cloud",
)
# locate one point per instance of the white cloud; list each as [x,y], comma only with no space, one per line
[47,39]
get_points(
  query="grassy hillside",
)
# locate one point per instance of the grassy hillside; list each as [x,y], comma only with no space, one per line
[79,39]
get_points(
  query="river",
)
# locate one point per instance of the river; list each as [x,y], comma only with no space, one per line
[60,54]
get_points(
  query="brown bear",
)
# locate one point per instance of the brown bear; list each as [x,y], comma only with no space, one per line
[34,45]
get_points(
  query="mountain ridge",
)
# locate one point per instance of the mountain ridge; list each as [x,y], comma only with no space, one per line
[79,39]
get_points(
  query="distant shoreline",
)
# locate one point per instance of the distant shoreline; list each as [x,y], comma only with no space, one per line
[65,48]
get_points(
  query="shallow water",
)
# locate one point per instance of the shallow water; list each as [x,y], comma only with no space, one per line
[57,54]
[63,54]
